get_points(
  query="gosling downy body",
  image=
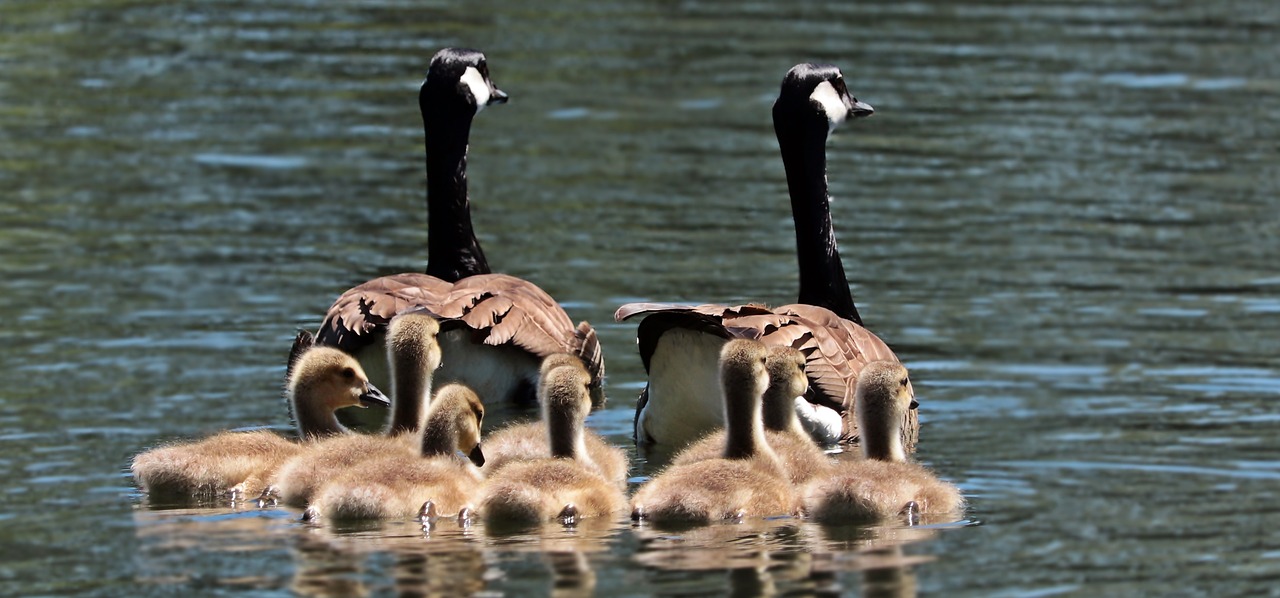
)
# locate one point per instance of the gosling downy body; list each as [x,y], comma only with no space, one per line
[800,456]
[495,328]
[747,480]
[564,485]
[321,381]
[413,355]
[884,484]
[395,485]
[524,442]
[679,344]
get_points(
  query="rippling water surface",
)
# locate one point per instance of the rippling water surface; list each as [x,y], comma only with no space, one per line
[1063,217]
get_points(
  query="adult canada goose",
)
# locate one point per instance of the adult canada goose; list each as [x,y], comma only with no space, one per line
[565,484]
[748,480]
[801,457]
[524,442]
[398,485]
[679,343]
[884,484]
[495,328]
[321,381]
[413,355]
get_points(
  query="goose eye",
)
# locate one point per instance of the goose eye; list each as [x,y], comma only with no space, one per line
[348,374]
[903,382]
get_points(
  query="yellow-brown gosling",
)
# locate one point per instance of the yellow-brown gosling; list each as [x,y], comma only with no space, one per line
[395,485]
[747,480]
[322,381]
[523,442]
[884,484]
[801,457]
[564,485]
[413,356]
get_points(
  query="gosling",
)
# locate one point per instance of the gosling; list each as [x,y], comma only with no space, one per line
[747,480]
[523,442]
[321,381]
[801,457]
[884,484]
[413,354]
[395,485]
[565,485]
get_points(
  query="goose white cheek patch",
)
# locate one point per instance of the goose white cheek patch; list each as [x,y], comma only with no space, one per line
[479,88]
[825,96]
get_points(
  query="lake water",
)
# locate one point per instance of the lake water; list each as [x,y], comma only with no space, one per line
[1063,217]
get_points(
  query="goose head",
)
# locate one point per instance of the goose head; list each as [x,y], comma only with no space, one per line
[453,423]
[787,382]
[564,392]
[881,402]
[324,380]
[413,353]
[459,78]
[817,94]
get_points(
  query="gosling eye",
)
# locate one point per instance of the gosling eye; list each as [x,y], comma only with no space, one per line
[348,374]
[903,382]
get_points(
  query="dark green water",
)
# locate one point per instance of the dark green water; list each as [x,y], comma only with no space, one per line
[1063,217]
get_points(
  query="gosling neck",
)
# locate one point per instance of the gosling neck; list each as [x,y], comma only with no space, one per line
[440,433]
[881,434]
[802,141]
[453,252]
[410,390]
[313,417]
[744,430]
[779,411]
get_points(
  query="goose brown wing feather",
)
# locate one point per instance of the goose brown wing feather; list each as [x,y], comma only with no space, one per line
[835,349]
[502,308]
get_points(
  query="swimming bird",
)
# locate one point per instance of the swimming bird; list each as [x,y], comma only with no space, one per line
[523,442]
[413,355]
[748,479]
[679,343]
[397,485]
[322,380]
[566,484]
[495,328]
[884,484]
[800,456]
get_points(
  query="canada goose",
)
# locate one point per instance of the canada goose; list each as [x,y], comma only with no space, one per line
[565,484]
[679,343]
[321,381]
[413,355]
[397,485]
[801,458]
[523,442]
[884,484]
[747,481]
[495,328]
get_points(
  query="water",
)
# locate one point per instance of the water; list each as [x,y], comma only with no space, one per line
[1062,216]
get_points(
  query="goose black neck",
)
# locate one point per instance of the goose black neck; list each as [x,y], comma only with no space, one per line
[802,141]
[453,252]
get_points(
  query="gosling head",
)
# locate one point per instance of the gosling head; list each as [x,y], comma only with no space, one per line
[881,402]
[458,76]
[787,381]
[462,411]
[322,380]
[413,335]
[816,93]
[334,379]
